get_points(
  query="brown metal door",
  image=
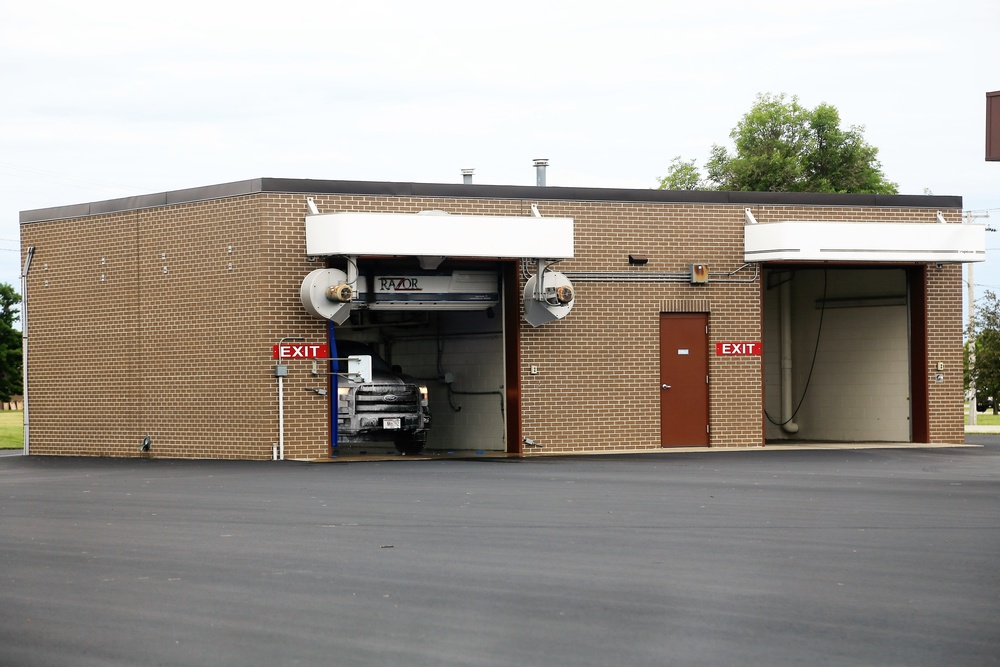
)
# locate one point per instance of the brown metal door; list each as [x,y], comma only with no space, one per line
[684,380]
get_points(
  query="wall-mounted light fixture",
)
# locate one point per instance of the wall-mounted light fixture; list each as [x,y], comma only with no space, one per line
[637,259]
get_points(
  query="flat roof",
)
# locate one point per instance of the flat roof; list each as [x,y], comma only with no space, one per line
[461,190]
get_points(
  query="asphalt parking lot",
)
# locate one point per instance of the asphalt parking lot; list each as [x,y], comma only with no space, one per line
[834,557]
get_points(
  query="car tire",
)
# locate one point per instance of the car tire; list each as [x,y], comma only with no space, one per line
[410,445]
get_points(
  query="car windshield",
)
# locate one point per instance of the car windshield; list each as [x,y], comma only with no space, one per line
[353,348]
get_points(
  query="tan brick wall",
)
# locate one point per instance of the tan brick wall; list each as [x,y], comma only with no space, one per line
[584,405]
[174,341]
[84,339]
[674,236]
[944,344]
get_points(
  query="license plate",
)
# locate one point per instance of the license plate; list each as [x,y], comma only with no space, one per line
[391,423]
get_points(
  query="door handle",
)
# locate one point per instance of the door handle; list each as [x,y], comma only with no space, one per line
[664,386]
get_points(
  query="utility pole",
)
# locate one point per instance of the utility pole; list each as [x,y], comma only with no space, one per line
[970,217]
[972,349]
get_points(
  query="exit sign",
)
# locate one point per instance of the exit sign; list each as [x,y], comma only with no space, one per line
[299,351]
[744,349]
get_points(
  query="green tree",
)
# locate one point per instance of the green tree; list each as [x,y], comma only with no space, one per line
[781,146]
[10,344]
[839,160]
[985,330]
[682,175]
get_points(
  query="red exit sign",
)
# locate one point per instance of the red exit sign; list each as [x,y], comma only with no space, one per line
[738,349]
[299,351]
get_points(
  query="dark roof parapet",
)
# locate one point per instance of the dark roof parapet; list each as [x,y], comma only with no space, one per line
[388,188]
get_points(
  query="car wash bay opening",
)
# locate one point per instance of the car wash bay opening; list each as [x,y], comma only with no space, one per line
[503,319]
[839,345]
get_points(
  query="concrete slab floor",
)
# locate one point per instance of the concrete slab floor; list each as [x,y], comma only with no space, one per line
[383,454]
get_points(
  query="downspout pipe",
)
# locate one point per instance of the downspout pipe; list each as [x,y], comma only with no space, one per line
[786,359]
[24,344]
[281,418]
[331,336]
[281,398]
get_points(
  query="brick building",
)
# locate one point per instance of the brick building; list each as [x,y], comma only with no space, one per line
[719,319]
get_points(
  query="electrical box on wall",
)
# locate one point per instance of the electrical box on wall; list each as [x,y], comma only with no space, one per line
[699,273]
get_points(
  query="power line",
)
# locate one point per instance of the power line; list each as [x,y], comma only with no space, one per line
[69,179]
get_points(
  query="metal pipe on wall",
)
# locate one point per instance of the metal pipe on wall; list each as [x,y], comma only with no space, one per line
[281,400]
[786,359]
[281,418]
[24,343]
[650,276]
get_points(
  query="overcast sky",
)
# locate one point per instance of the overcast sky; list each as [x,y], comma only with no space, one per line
[107,99]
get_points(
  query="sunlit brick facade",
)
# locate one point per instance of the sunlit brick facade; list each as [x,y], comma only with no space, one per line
[155,316]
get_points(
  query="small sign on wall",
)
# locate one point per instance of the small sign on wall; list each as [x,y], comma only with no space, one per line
[738,349]
[292,351]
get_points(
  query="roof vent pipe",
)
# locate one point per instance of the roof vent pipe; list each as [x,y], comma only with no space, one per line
[540,164]
[467,176]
